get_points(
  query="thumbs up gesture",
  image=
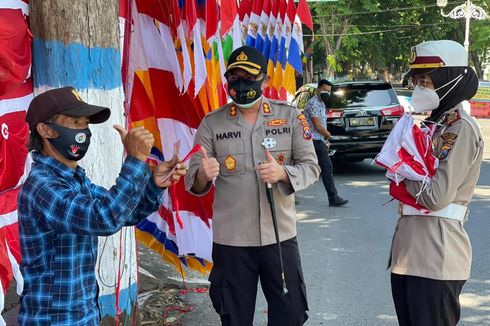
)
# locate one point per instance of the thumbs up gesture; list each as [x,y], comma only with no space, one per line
[208,168]
[270,171]
[137,141]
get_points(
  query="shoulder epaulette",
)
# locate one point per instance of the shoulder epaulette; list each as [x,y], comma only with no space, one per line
[220,109]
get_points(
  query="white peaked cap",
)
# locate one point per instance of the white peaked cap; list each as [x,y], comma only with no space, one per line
[436,54]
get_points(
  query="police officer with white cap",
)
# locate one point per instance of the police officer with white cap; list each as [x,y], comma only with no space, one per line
[431,252]
[234,158]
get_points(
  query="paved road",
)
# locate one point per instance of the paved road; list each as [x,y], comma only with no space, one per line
[345,250]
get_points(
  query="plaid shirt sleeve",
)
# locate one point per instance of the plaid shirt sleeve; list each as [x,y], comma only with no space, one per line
[150,201]
[100,212]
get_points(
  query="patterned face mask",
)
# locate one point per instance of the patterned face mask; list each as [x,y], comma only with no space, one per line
[245,93]
[71,143]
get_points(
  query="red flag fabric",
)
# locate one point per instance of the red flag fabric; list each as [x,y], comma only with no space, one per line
[228,13]
[304,14]
[245,9]
[291,11]
[15,49]
[211,18]
[190,16]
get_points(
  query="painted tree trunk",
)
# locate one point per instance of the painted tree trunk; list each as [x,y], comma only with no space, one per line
[76,43]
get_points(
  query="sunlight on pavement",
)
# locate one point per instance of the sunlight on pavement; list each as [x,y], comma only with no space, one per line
[382,184]
[386,317]
[475,301]
[482,191]
[327,316]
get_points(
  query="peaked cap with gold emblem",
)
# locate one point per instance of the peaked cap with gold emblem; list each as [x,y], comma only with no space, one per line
[431,55]
[248,59]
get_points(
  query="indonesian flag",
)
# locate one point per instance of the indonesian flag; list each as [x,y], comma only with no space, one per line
[407,154]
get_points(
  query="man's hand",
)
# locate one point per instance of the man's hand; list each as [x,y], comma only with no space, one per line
[137,142]
[169,172]
[208,169]
[271,171]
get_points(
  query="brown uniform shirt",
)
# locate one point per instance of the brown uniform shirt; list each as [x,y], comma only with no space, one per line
[433,247]
[241,212]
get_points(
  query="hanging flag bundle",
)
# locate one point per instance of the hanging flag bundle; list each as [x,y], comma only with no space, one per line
[407,154]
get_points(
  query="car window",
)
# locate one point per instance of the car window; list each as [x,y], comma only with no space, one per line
[303,97]
[362,96]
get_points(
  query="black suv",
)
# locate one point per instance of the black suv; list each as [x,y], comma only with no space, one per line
[360,115]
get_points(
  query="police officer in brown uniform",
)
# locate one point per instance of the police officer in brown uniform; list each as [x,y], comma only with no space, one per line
[234,158]
[431,252]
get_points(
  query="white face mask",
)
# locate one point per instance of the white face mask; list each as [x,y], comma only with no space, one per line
[424,99]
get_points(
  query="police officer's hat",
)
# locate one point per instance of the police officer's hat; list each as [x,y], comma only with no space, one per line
[437,54]
[248,59]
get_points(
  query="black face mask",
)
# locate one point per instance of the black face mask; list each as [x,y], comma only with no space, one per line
[71,143]
[324,97]
[245,92]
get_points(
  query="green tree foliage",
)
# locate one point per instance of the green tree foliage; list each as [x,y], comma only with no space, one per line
[362,38]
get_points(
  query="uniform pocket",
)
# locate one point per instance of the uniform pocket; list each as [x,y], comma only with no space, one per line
[216,290]
[232,164]
[231,156]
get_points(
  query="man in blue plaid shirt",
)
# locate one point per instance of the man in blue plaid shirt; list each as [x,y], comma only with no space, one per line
[61,213]
[316,114]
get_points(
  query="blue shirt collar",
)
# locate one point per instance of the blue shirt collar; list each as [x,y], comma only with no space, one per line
[58,167]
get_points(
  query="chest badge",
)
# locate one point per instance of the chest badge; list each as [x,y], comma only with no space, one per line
[269,143]
[281,158]
[230,163]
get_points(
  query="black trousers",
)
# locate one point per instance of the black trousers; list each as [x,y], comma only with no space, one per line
[327,168]
[235,275]
[422,301]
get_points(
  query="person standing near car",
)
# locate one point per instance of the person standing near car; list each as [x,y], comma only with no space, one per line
[431,252]
[315,113]
[234,158]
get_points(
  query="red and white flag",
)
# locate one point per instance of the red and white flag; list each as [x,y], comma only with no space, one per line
[407,154]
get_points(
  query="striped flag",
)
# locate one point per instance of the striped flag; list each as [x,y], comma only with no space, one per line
[295,48]
[263,25]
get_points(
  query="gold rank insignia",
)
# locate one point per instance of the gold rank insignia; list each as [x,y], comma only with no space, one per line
[281,158]
[276,122]
[230,163]
[266,108]
[242,57]
[233,111]
[453,117]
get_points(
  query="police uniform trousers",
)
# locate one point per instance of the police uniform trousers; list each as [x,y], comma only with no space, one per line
[421,301]
[235,275]
[327,168]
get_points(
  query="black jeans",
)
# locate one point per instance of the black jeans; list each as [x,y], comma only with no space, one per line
[423,301]
[327,168]
[235,275]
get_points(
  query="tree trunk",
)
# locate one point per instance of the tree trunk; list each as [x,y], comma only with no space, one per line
[76,43]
